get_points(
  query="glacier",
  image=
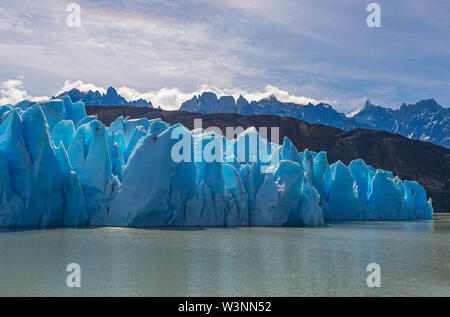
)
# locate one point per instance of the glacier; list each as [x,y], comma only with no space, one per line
[61,167]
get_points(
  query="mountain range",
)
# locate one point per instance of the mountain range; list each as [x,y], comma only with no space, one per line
[110,98]
[426,120]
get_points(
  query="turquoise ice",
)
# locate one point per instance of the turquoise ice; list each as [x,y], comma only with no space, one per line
[60,167]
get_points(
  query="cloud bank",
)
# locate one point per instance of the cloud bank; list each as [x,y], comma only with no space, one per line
[172,98]
[12,91]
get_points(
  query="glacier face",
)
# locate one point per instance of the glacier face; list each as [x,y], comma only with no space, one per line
[60,167]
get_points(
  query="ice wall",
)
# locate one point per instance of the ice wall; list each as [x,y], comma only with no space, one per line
[60,167]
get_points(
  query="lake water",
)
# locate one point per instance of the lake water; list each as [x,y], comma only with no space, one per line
[414,258]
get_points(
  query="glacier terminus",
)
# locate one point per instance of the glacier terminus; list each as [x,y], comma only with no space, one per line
[60,167]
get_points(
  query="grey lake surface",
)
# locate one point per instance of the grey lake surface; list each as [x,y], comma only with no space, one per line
[414,258]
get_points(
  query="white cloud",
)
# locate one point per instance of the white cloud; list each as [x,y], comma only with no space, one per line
[166,98]
[12,92]
[281,95]
[81,86]
[172,98]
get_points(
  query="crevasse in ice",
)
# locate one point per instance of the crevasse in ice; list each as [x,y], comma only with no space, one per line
[60,167]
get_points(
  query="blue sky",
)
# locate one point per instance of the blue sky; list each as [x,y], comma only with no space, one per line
[167,50]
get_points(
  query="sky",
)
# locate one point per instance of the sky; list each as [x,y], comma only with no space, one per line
[168,50]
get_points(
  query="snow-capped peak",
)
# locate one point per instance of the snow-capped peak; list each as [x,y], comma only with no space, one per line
[354,112]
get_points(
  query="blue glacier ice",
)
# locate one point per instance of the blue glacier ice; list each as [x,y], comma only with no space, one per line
[60,167]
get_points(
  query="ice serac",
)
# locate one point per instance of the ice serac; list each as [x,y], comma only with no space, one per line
[342,201]
[60,167]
